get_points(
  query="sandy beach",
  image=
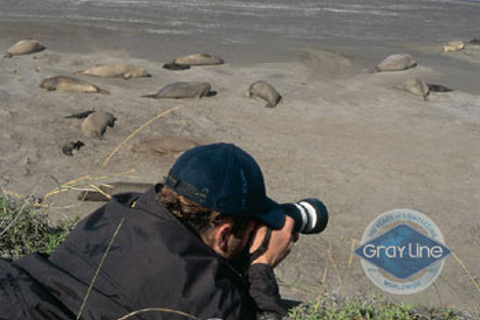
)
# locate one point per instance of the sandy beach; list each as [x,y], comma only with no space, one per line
[352,138]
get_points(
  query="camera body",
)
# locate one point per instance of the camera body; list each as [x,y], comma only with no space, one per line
[310,215]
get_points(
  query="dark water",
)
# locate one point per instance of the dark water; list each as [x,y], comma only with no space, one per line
[245,20]
[253,30]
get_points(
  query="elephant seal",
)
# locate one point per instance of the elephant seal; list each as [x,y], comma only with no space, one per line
[68,84]
[178,90]
[125,71]
[417,87]
[454,46]
[161,145]
[24,47]
[198,59]
[80,115]
[110,189]
[175,67]
[95,125]
[396,62]
[71,146]
[265,91]
[438,88]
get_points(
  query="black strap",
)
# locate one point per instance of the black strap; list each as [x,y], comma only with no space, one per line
[186,189]
[263,247]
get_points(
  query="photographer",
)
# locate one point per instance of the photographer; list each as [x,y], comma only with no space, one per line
[200,244]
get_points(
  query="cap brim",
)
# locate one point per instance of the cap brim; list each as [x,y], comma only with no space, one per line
[274,217]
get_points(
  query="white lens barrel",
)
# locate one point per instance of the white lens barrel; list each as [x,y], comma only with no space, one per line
[312,214]
[304,214]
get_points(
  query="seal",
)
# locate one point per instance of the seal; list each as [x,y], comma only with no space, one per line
[175,67]
[474,41]
[125,71]
[265,91]
[110,189]
[71,146]
[95,125]
[161,145]
[24,47]
[454,46]
[417,87]
[80,115]
[198,59]
[68,84]
[179,90]
[438,88]
[396,62]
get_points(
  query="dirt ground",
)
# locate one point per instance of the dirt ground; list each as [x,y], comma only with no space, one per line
[354,139]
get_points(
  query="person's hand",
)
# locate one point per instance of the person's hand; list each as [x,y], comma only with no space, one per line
[281,242]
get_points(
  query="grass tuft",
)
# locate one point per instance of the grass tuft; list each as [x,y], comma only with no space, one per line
[364,308]
[25,229]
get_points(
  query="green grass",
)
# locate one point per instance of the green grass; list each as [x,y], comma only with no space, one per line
[366,308]
[25,229]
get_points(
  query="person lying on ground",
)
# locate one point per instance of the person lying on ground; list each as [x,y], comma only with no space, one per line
[200,244]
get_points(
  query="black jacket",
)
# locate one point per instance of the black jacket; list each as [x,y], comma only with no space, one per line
[154,262]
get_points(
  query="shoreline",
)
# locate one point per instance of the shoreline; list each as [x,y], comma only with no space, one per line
[458,70]
[149,46]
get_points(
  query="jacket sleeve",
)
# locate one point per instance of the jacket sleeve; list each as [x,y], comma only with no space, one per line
[264,291]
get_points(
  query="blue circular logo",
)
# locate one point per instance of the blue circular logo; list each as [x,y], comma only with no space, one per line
[402,251]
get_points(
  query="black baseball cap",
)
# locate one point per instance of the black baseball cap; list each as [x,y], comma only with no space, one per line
[225,178]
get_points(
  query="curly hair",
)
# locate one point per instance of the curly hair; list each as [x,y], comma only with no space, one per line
[195,216]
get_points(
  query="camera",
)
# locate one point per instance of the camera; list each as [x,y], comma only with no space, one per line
[310,215]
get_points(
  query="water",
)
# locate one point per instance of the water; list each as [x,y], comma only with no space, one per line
[246,20]
[253,30]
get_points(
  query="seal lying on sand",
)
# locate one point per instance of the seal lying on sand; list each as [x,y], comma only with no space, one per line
[198,59]
[24,47]
[68,84]
[160,145]
[178,90]
[417,87]
[454,46]
[175,67]
[438,88]
[71,146]
[95,125]
[422,89]
[125,71]
[265,91]
[112,189]
[396,62]
[80,115]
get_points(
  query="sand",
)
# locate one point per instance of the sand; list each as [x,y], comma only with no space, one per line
[349,137]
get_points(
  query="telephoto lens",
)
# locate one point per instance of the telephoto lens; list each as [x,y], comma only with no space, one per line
[310,215]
